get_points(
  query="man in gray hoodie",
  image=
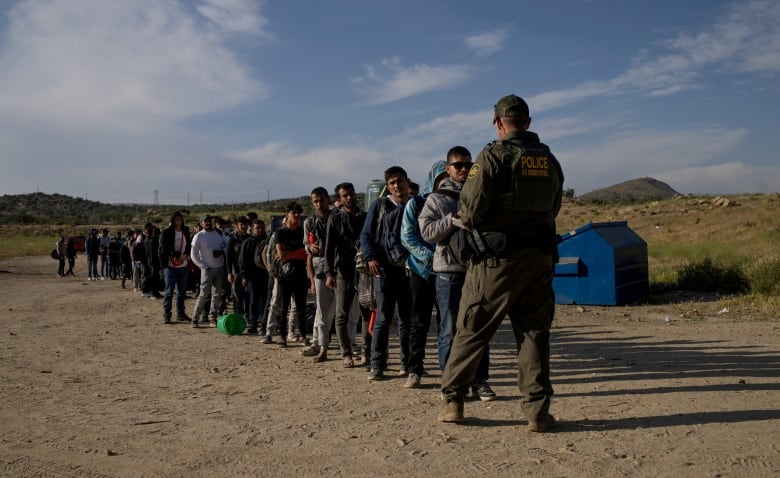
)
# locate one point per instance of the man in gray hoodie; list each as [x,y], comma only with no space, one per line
[438,221]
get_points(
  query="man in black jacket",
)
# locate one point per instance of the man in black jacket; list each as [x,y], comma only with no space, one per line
[254,276]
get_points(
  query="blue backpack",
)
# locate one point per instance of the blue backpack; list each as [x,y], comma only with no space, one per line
[389,236]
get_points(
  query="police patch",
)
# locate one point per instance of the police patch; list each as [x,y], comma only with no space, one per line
[474,171]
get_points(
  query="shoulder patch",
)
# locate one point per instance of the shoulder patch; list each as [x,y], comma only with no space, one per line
[474,171]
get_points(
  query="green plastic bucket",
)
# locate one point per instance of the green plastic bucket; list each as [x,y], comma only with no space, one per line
[231,324]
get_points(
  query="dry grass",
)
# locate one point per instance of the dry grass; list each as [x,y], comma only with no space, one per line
[686,228]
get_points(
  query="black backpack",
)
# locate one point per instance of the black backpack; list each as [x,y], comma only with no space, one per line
[259,247]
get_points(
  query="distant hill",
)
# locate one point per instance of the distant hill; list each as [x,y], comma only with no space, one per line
[635,190]
[63,210]
[41,208]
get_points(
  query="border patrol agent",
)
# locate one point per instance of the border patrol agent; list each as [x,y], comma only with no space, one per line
[512,196]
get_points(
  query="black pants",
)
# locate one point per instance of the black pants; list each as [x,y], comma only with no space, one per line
[257,289]
[423,295]
[296,287]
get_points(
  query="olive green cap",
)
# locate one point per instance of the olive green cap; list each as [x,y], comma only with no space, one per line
[511,106]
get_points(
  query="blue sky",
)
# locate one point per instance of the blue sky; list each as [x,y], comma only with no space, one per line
[239,100]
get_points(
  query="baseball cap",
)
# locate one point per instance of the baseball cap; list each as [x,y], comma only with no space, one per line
[511,106]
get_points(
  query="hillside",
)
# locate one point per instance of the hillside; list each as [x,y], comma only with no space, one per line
[62,210]
[635,190]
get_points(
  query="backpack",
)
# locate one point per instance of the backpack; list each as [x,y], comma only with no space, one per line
[272,257]
[389,237]
[54,254]
[259,252]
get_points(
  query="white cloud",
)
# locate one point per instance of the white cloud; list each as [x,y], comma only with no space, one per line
[486,43]
[283,167]
[126,64]
[392,81]
[746,39]
[240,16]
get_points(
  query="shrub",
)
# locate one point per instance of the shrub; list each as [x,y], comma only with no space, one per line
[764,276]
[705,275]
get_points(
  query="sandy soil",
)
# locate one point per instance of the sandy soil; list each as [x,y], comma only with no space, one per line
[93,384]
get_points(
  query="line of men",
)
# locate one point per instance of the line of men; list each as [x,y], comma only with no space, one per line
[396,256]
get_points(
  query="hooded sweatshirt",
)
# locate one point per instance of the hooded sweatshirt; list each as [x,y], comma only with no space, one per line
[436,224]
[420,259]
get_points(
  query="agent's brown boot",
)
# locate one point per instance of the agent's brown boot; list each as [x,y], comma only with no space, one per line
[542,424]
[452,412]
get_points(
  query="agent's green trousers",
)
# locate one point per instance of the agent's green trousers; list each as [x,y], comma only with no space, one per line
[520,286]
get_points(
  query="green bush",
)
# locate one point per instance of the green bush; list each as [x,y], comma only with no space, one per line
[764,276]
[705,275]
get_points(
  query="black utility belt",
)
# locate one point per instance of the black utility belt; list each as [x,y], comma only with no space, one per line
[498,244]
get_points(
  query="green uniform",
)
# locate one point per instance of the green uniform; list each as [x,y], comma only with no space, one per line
[515,187]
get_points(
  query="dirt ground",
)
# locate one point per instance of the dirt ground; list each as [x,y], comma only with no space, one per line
[93,384]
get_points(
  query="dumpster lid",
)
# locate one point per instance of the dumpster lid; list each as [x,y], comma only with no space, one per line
[589,226]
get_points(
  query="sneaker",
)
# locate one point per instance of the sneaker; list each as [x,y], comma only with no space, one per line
[542,425]
[194,324]
[183,318]
[282,344]
[375,374]
[412,381]
[402,372]
[483,392]
[310,351]
[166,319]
[452,412]
[267,340]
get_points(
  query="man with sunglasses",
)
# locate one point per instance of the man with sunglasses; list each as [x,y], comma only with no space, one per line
[513,189]
[438,221]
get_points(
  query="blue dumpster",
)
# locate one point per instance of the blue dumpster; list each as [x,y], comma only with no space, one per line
[603,263]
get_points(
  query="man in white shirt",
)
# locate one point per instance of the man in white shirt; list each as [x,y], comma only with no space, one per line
[208,253]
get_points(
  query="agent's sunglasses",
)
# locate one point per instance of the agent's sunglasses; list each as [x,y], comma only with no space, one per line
[461,165]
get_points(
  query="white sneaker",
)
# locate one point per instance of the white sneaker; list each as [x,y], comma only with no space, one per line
[412,381]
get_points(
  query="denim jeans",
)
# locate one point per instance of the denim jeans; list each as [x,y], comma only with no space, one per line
[449,287]
[92,266]
[240,297]
[389,290]
[423,293]
[175,278]
[113,266]
[257,287]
